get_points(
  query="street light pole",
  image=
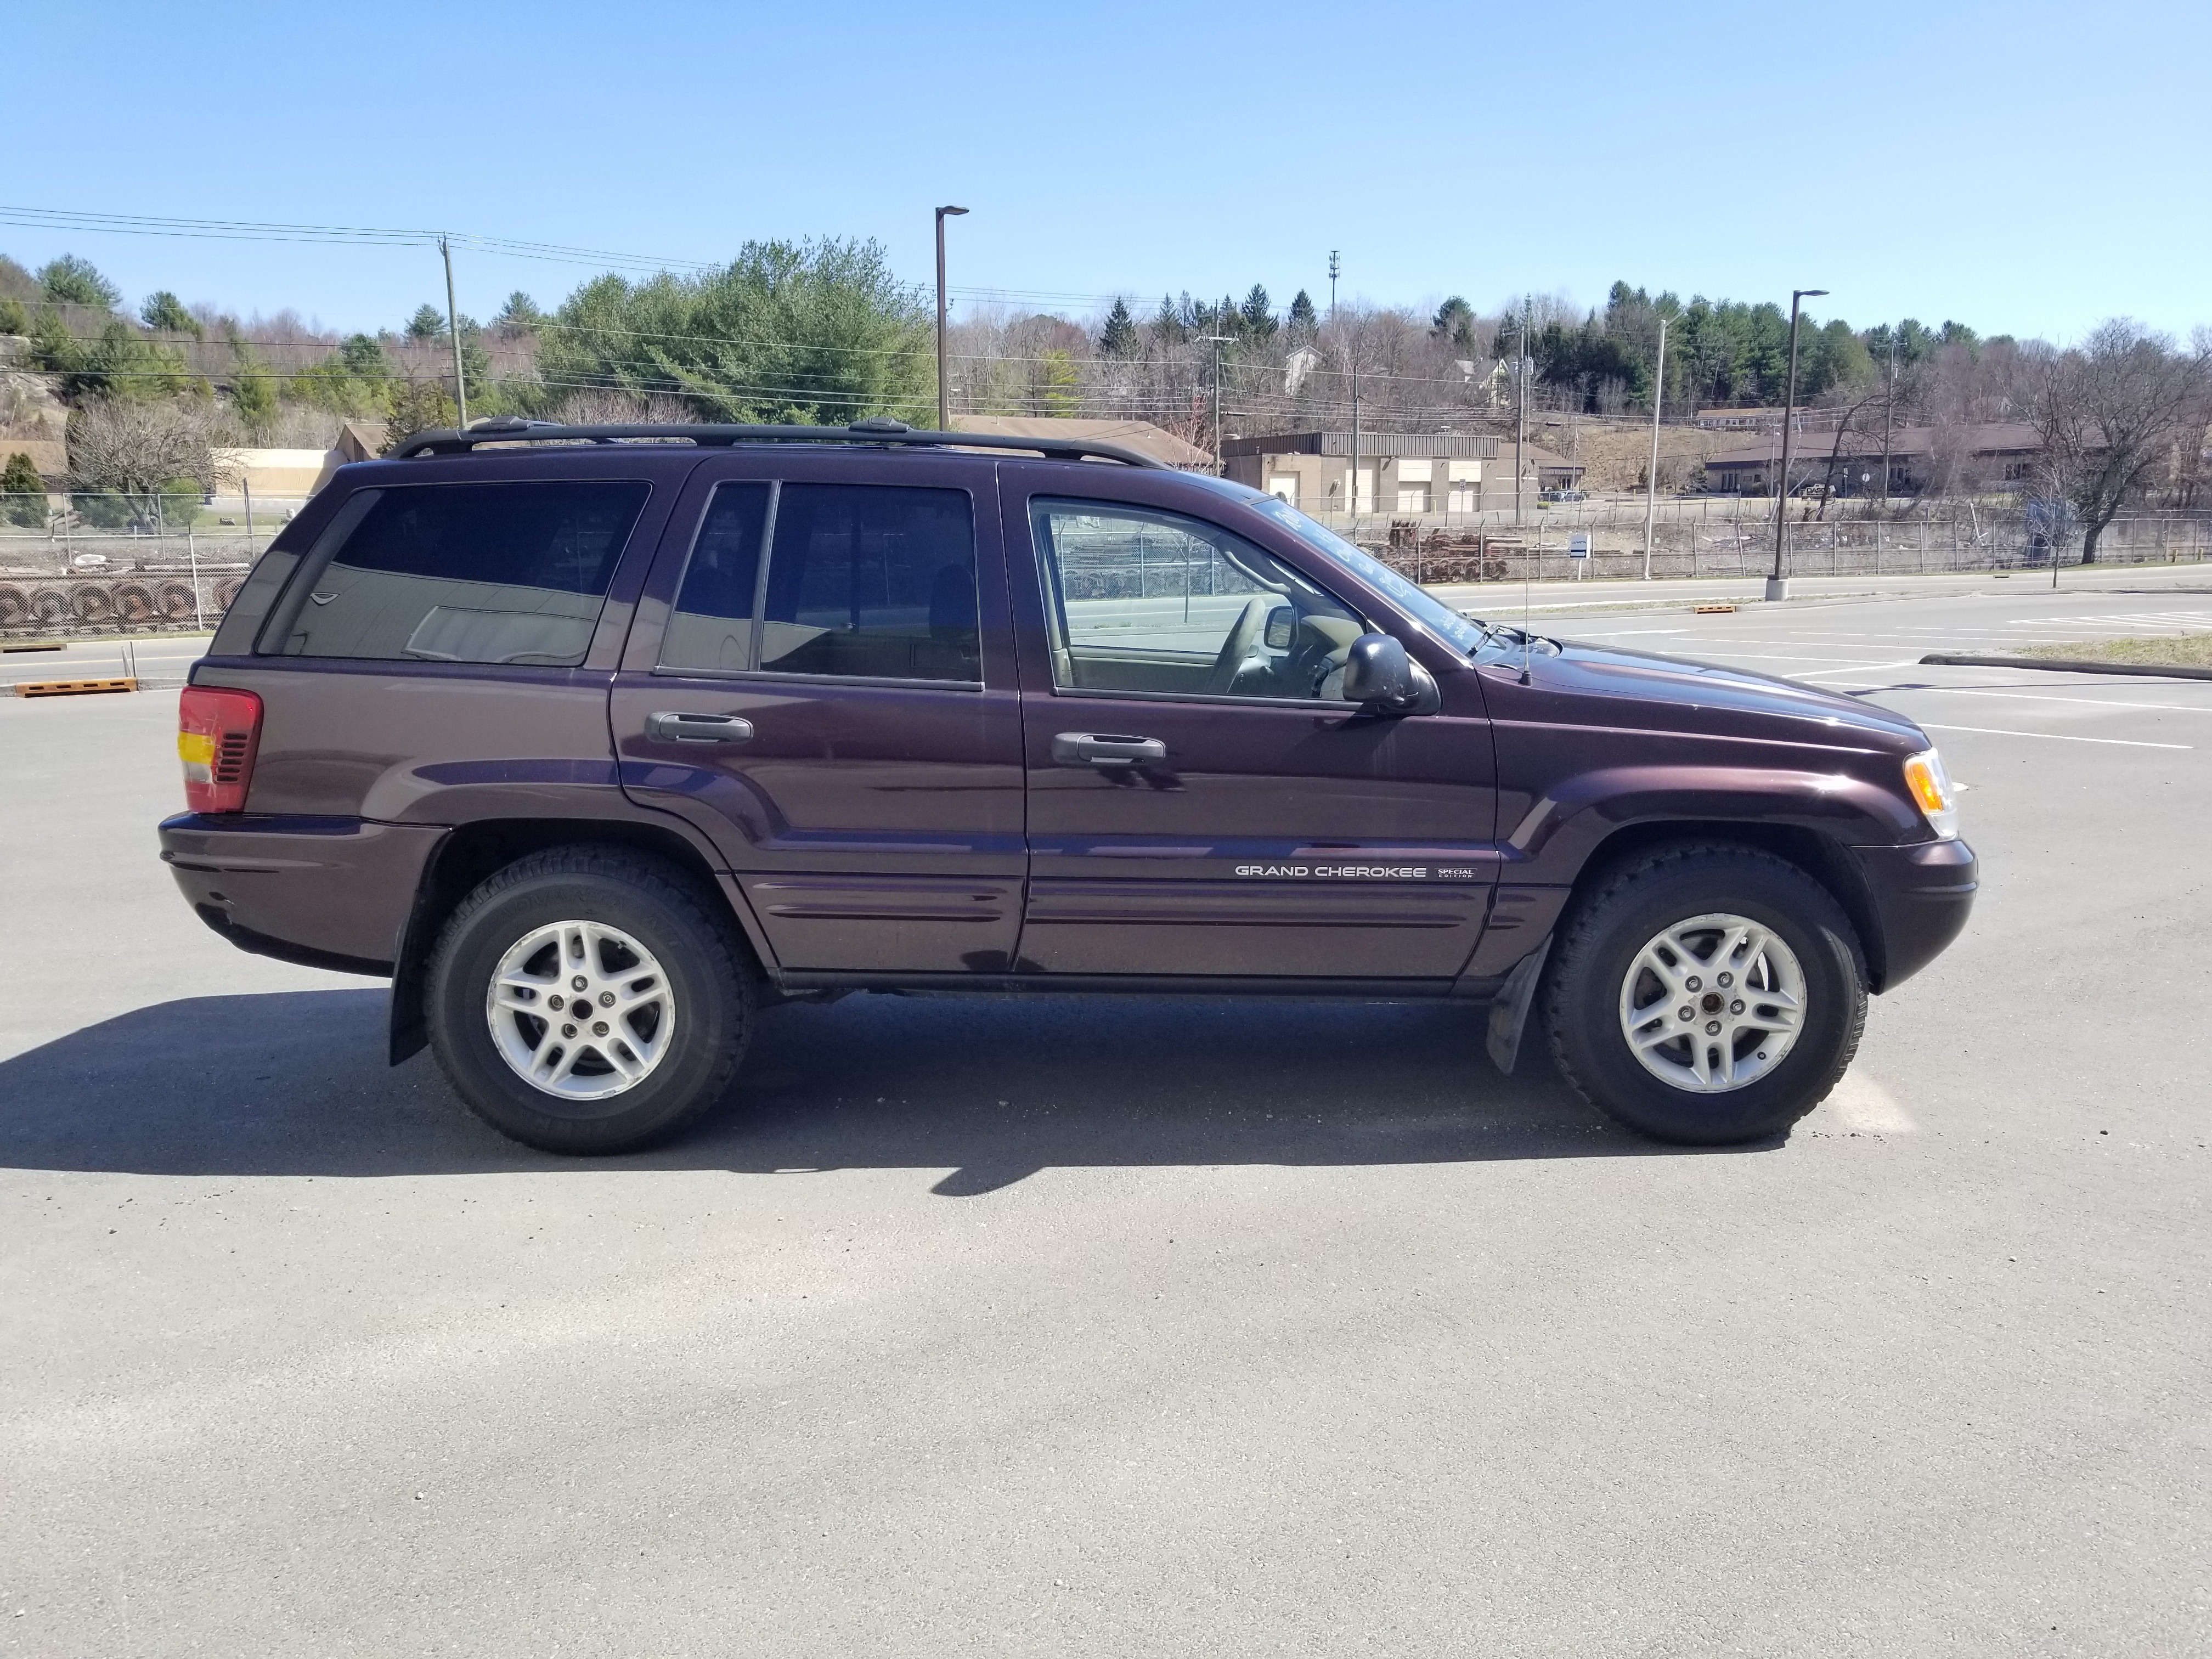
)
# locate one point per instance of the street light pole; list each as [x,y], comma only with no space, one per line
[1778,584]
[1651,478]
[943,418]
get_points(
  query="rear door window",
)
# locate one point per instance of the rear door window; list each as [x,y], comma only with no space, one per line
[474,573]
[863,582]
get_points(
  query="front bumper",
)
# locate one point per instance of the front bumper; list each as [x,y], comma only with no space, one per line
[327,892]
[1922,895]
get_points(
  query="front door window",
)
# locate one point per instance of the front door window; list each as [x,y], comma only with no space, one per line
[1152,602]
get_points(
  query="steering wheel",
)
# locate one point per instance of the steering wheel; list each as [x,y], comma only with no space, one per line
[1238,645]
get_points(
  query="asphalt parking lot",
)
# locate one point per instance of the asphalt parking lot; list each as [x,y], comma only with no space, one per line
[1218,1328]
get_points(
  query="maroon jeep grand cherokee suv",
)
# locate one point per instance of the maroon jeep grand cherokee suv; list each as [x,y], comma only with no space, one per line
[595,740]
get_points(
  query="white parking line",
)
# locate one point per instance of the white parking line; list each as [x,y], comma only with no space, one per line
[2045,697]
[2055,736]
[1866,668]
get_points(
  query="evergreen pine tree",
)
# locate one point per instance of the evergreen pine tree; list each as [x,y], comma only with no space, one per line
[1120,334]
[165,313]
[1304,320]
[428,323]
[22,493]
[1257,314]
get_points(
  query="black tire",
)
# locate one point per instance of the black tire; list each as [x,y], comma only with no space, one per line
[1609,926]
[706,963]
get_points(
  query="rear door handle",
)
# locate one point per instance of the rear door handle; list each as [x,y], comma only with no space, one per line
[698,728]
[1105,749]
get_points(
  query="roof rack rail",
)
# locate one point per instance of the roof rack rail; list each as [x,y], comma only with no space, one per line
[509,428]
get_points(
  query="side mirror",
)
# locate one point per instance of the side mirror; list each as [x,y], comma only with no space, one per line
[1383,679]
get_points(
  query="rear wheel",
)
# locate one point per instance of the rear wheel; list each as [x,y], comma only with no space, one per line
[1707,995]
[589,1001]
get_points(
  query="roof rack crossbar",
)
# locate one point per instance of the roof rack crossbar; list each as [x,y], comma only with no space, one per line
[511,430]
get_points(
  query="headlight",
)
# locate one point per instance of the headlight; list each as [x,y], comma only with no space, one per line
[1934,794]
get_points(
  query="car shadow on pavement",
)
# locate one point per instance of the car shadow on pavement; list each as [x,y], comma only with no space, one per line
[990,1088]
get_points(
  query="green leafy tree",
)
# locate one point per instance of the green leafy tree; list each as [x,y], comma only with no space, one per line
[53,349]
[520,311]
[1119,337]
[810,333]
[165,313]
[22,493]
[1304,319]
[1055,384]
[354,382]
[428,324]
[14,318]
[417,406]
[252,391]
[69,281]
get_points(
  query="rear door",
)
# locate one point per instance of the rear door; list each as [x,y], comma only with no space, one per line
[1201,800]
[821,677]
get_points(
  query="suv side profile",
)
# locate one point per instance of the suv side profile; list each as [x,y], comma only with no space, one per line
[597,740]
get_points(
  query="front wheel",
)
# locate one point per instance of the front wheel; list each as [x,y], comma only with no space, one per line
[1706,995]
[587,1001]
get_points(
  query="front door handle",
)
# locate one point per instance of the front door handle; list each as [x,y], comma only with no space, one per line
[1104,749]
[698,728]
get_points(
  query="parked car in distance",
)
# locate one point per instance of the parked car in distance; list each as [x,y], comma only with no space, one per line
[597,741]
[1560,497]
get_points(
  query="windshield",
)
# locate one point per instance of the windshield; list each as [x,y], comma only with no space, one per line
[1424,606]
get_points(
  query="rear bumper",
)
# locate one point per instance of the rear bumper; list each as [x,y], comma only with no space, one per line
[1922,896]
[324,891]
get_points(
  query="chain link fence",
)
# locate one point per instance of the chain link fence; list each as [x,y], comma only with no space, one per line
[1728,536]
[78,566]
[171,566]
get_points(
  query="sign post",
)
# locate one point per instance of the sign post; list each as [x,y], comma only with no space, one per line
[1578,548]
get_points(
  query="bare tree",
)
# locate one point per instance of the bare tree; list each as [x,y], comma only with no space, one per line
[2111,413]
[134,449]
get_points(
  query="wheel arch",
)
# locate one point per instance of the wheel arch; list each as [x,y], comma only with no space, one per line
[473,851]
[1825,860]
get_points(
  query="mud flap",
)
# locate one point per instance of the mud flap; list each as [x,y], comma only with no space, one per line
[1509,1012]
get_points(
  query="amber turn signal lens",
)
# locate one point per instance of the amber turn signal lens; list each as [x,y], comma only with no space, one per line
[1933,794]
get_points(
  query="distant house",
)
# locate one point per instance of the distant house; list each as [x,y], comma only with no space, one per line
[1401,474]
[1990,457]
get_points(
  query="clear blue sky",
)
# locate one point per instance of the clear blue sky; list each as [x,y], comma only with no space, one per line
[2026,167]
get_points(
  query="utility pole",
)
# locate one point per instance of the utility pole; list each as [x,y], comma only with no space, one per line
[1352,486]
[1778,584]
[454,328]
[944,418]
[1520,425]
[1220,464]
[1651,478]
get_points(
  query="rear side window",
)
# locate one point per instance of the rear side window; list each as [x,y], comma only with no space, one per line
[477,573]
[864,581]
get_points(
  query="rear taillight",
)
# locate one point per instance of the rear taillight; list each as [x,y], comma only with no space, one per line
[217,732]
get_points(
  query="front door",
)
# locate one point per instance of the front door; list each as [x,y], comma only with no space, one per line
[821,677]
[1202,801]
